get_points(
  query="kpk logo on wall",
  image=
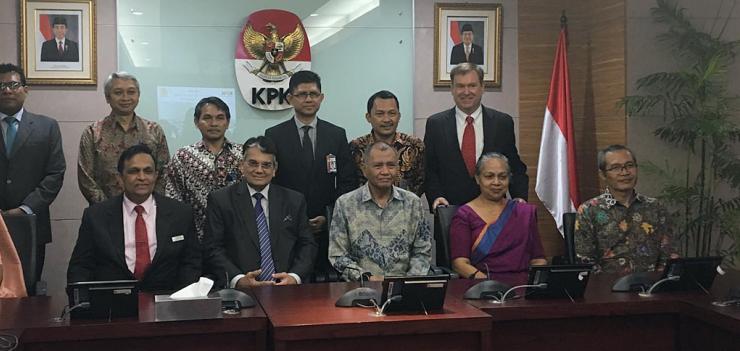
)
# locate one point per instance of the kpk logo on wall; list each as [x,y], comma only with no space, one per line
[272,46]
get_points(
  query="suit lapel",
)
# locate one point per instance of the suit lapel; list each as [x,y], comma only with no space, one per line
[162,228]
[25,128]
[274,203]
[450,133]
[488,131]
[115,230]
[242,203]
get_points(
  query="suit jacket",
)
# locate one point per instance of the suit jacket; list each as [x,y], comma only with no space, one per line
[446,175]
[34,172]
[100,252]
[50,52]
[232,242]
[458,54]
[316,184]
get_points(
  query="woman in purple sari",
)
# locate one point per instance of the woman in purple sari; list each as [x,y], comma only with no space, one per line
[492,236]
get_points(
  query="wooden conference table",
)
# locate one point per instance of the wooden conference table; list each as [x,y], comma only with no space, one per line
[305,318]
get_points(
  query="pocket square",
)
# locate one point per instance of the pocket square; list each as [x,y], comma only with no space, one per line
[178,238]
[288,218]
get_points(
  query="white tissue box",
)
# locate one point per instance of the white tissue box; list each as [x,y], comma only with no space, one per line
[169,309]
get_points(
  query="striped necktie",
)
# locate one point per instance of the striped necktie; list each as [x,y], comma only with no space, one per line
[266,263]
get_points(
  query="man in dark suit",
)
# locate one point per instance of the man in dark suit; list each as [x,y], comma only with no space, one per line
[467,51]
[60,48]
[31,159]
[314,158]
[139,234]
[257,233]
[456,138]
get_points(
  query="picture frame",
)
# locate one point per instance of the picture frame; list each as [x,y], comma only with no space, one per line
[57,42]
[468,32]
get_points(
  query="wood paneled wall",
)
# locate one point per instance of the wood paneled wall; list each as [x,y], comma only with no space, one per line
[596,58]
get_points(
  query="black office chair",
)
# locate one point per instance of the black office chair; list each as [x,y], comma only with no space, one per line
[329,274]
[22,230]
[569,226]
[442,220]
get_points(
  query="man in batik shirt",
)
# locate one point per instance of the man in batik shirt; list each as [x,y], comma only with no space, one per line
[379,228]
[622,231]
[383,115]
[103,141]
[211,163]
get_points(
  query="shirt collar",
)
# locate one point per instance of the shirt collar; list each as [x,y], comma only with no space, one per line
[459,114]
[396,138]
[134,121]
[17,115]
[264,191]
[300,124]
[366,196]
[201,145]
[148,204]
[610,201]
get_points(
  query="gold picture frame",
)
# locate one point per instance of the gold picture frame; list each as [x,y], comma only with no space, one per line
[57,42]
[478,24]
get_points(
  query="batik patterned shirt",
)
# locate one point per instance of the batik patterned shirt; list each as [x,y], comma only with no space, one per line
[195,171]
[619,239]
[390,241]
[101,145]
[410,160]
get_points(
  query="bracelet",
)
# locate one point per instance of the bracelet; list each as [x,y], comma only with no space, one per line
[472,276]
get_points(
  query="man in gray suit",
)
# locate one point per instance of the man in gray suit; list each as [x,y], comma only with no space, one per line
[31,160]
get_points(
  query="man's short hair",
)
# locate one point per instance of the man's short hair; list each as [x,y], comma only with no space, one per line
[489,156]
[466,28]
[464,68]
[60,20]
[263,144]
[215,101]
[383,94]
[378,145]
[303,77]
[119,75]
[133,151]
[601,157]
[11,68]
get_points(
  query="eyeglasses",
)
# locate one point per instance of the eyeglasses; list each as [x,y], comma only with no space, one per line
[255,164]
[629,166]
[304,95]
[10,85]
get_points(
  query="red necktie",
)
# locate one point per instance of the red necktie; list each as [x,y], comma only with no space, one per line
[468,146]
[142,245]
[60,47]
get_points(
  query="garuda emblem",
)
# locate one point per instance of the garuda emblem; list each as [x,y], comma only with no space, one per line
[273,50]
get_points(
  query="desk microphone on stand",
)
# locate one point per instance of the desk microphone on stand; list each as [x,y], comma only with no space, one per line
[487,289]
[362,296]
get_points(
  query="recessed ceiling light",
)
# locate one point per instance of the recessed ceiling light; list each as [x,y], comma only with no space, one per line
[136,12]
[144,43]
[313,14]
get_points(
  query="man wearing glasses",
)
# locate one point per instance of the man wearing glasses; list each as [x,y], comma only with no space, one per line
[31,159]
[314,160]
[257,233]
[622,231]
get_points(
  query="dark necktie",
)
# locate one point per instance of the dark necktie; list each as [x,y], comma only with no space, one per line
[468,146]
[266,263]
[60,48]
[142,245]
[10,133]
[307,147]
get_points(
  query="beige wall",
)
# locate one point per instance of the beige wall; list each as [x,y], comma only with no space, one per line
[74,108]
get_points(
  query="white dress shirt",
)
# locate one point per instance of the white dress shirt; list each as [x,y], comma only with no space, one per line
[477,115]
[129,228]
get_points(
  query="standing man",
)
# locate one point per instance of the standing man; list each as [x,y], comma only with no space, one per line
[139,235]
[314,158]
[622,231]
[257,233]
[380,228]
[456,138]
[103,141]
[60,48]
[211,163]
[467,51]
[31,159]
[383,115]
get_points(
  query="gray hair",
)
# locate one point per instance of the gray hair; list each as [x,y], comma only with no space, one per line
[489,156]
[463,69]
[601,157]
[119,75]
[378,145]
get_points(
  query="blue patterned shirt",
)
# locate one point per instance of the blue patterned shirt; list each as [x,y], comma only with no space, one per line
[390,241]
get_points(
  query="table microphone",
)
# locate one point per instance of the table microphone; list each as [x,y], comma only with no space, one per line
[487,289]
[362,296]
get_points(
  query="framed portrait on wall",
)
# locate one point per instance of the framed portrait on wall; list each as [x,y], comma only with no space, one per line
[57,45]
[467,33]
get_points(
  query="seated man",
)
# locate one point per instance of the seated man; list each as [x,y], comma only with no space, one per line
[379,228]
[137,235]
[257,233]
[622,231]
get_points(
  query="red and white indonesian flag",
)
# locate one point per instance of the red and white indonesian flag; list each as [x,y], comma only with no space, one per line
[557,181]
